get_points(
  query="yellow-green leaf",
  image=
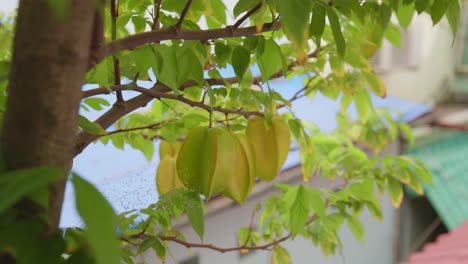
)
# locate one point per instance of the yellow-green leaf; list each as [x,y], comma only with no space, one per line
[376,85]
[396,192]
[336,30]
[295,18]
[280,256]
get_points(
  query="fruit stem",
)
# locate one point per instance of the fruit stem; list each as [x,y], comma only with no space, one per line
[227,122]
[211,119]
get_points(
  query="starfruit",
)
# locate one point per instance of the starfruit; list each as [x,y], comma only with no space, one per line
[204,162]
[270,142]
[166,148]
[166,174]
[243,175]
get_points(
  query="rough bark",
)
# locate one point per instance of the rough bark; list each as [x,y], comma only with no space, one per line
[50,59]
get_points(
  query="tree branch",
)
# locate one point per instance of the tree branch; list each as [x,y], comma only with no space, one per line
[183,14]
[266,246]
[247,15]
[118,111]
[180,98]
[137,40]
[222,249]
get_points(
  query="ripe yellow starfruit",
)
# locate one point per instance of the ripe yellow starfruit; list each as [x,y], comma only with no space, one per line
[204,162]
[166,148]
[243,171]
[166,174]
[270,143]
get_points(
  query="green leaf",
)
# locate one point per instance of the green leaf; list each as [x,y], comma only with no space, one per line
[160,249]
[453,15]
[405,14]
[243,235]
[280,255]
[101,73]
[317,202]
[244,6]
[219,14]
[146,244]
[90,127]
[222,52]
[96,103]
[196,214]
[271,59]
[357,60]
[165,65]
[144,58]
[299,211]
[438,10]
[356,227]
[296,128]
[100,221]
[393,35]
[376,85]
[240,61]
[295,18]
[363,191]
[14,185]
[336,30]
[139,23]
[421,5]
[137,141]
[189,67]
[419,167]
[317,24]
[363,104]
[415,184]
[396,192]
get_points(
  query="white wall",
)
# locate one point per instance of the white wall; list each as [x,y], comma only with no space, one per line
[433,46]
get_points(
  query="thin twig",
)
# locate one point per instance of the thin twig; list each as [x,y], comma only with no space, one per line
[114,14]
[183,14]
[250,228]
[247,15]
[152,126]
[157,6]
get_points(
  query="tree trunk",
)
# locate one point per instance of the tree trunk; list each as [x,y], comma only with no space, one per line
[50,58]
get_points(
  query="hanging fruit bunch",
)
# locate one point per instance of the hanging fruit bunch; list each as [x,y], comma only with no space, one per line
[216,161]
[166,174]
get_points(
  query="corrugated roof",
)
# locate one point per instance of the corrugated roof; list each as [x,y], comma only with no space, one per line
[445,153]
[449,248]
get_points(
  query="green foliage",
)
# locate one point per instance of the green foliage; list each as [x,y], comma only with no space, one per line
[314,36]
[100,220]
[90,127]
[16,184]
